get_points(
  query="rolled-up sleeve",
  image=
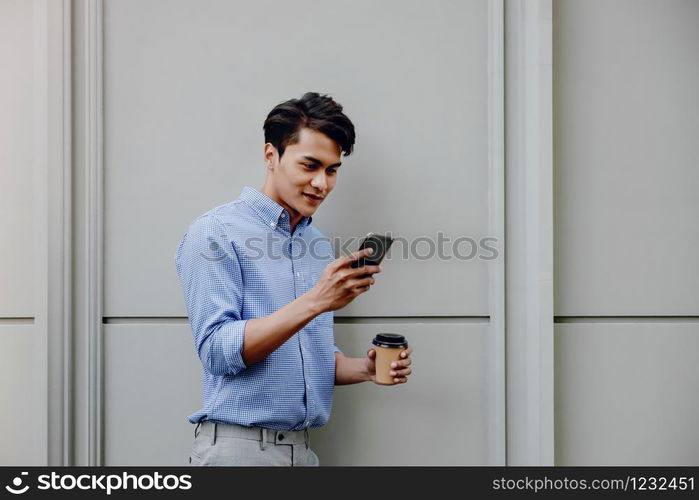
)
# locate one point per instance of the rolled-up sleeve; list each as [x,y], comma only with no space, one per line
[211,278]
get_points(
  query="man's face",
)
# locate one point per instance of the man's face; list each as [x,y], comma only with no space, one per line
[306,173]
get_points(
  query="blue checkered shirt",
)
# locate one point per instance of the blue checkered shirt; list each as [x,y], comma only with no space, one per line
[240,261]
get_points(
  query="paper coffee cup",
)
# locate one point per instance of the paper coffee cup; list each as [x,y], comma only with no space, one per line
[388,347]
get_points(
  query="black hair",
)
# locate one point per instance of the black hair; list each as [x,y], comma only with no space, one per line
[313,111]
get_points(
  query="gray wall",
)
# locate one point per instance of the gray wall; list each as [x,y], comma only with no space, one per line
[626,123]
[186,89]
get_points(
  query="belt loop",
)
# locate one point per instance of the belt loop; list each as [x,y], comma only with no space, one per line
[196,429]
[263,440]
[213,435]
[306,437]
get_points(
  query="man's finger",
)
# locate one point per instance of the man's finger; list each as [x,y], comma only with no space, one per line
[364,283]
[404,362]
[359,271]
[346,261]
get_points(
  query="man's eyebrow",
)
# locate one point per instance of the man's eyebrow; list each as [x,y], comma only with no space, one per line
[316,160]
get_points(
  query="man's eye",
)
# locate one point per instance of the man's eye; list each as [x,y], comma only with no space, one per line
[332,171]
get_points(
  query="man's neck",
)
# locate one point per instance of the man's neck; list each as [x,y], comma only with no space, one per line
[294,216]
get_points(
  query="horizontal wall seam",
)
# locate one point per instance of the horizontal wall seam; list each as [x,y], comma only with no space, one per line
[626,319]
[126,320]
[411,319]
[17,321]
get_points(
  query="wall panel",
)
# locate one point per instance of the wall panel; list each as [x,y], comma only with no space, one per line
[23,417]
[152,381]
[16,158]
[185,104]
[626,115]
[626,393]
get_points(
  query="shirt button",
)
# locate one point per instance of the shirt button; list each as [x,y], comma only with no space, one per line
[272,224]
[298,275]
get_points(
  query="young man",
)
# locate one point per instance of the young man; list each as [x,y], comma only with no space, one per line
[261,284]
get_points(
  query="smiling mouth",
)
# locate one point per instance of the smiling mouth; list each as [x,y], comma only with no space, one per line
[313,197]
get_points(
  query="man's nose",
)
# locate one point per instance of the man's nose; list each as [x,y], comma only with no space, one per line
[320,182]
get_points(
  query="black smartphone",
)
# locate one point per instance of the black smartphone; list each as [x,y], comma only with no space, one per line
[380,244]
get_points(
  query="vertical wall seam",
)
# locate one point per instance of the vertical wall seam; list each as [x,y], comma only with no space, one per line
[94,211]
[496,388]
[67,136]
[41,278]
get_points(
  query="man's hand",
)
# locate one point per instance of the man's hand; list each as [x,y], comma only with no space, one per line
[340,284]
[399,369]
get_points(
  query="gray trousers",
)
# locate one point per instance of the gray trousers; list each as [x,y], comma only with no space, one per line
[232,444]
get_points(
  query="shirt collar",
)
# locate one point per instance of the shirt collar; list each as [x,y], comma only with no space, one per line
[271,212]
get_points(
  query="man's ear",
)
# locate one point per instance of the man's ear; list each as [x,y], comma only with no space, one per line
[271,156]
